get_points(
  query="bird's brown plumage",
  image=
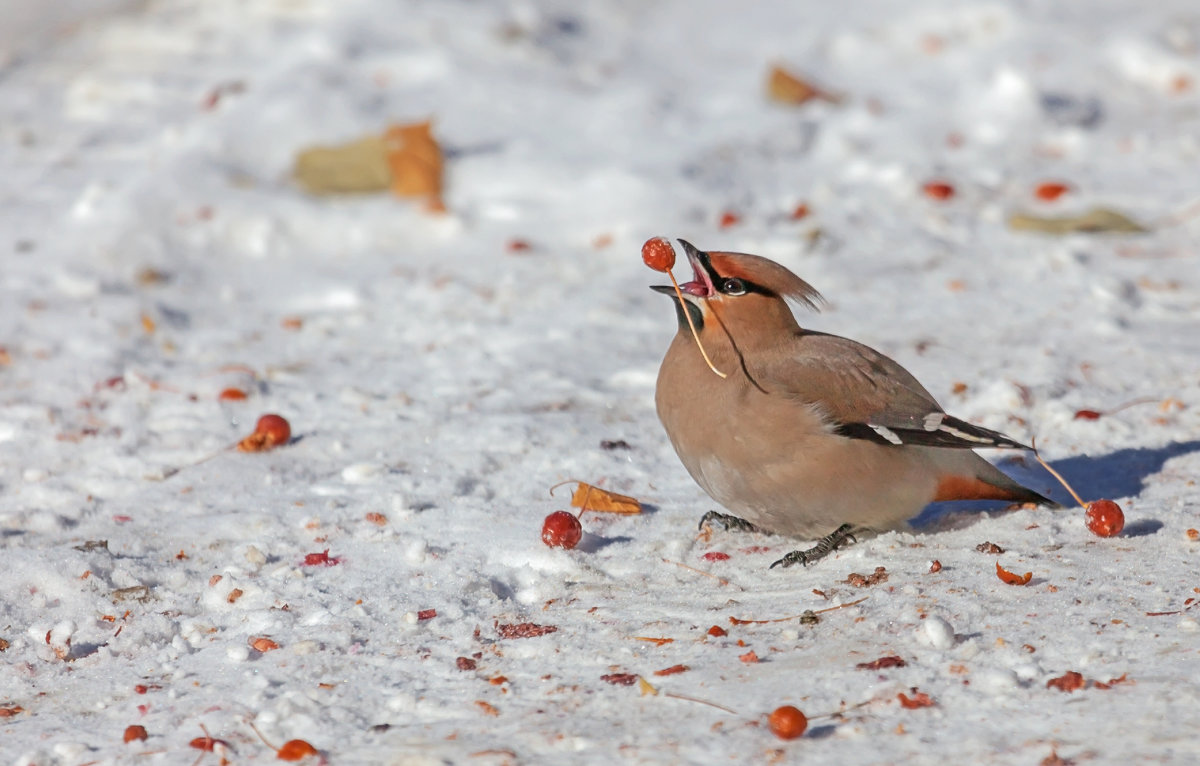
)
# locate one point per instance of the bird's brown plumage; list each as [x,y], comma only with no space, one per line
[809,430]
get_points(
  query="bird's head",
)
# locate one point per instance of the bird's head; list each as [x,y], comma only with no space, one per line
[740,290]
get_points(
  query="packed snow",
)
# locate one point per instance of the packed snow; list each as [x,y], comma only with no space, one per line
[378,586]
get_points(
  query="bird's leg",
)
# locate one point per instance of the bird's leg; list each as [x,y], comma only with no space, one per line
[825,546]
[728,522]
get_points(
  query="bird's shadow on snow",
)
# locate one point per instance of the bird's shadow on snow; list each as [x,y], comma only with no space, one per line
[590,543]
[1116,475]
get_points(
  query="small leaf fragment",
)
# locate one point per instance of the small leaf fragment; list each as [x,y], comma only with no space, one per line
[1098,220]
[783,87]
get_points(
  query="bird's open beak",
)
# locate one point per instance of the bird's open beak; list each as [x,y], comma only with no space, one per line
[702,284]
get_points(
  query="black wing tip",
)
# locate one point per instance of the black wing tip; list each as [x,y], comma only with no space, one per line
[948,431]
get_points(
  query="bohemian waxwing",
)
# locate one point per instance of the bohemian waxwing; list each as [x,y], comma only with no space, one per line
[808,432]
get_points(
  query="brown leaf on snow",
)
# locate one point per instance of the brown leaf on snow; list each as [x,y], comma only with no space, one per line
[406,159]
[989,547]
[1068,682]
[357,167]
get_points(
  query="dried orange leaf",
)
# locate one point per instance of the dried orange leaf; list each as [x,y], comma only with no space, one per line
[415,161]
[1012,578]
[672,670]
[589,498]
[786,88]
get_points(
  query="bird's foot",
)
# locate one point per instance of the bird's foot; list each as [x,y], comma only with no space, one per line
[825,546]
[727,522]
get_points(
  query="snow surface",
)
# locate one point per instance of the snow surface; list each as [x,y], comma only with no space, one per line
[445,382]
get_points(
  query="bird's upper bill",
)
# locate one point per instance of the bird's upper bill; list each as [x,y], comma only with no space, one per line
[702,285]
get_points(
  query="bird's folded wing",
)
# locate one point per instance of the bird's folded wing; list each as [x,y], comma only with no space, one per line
[865,395]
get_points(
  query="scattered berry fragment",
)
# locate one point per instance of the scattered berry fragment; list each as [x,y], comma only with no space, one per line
[917,700]
[1012,578]
[562,529]
[939,190]
[1105,518]
[135,733]
[729,218]
[658,254]
[322,559]
[1049,191]
[263,644]
[232,395]
[295,750]
[787,722]
[1068,682]
[270,431]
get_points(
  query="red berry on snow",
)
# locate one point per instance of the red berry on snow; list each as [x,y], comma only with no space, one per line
[275,428]
[561,530]
[1105,518]
[787,722]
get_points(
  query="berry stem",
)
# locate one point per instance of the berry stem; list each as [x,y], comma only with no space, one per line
[688,316]
[1061,480]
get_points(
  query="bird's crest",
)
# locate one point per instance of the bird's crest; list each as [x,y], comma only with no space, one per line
[767,274]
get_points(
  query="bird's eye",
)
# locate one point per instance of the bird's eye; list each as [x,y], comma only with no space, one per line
[733,286]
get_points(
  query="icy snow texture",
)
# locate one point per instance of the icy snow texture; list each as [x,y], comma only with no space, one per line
[442,382]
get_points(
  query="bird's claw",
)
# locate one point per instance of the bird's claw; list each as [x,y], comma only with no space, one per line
[825,546]
[728,523]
